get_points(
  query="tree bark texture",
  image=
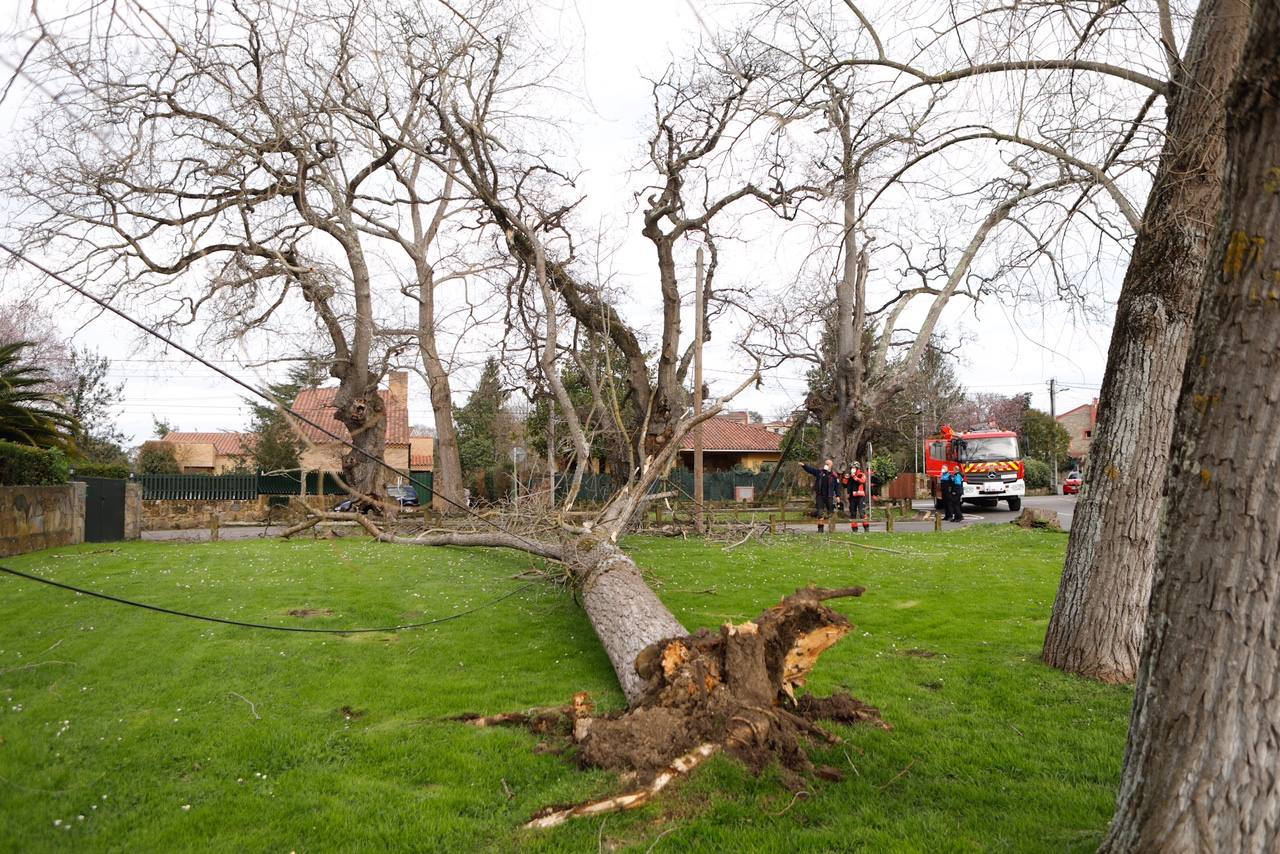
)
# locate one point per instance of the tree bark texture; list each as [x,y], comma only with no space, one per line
[446,484]
[1202,767]
[360,409]
[626,614]
[1097,622]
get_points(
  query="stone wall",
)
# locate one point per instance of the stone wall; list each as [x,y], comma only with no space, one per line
[40,517]
[133,511]
[184,514]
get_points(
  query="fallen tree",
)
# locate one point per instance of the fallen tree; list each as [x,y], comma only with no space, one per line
[690,695]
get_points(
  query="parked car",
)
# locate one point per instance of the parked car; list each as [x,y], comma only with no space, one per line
[1071,486]
[349,506]
[406,495]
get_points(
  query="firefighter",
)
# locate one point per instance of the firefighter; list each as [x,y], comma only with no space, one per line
[825,486]
[856,484]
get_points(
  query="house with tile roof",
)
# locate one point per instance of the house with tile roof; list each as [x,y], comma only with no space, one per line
[1080,424]
[731,441]
[323,453]
[422,450]
[208,453]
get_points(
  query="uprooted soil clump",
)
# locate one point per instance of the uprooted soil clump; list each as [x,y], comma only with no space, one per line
[731,690]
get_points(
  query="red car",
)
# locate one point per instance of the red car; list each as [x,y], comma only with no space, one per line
[1071,486]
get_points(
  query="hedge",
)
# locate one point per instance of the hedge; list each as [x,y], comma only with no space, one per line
[23,465]
[1039,475]
[84,468]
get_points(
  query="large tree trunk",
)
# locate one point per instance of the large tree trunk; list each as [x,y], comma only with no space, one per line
[446,484]
[360,409]
[625,613]
[1097,622]
[1204,744]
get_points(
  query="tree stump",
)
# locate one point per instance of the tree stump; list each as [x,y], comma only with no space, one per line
[1043,519]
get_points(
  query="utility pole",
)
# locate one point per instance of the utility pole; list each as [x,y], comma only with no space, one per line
[1053,416]
[699,522]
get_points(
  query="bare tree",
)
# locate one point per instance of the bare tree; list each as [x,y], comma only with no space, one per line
[1097,623]
[1200,766]
[875,331]
[230,176]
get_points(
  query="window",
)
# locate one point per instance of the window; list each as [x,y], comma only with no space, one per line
[1088,434]
[994,449]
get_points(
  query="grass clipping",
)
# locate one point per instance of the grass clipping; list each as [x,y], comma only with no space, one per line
[733,690]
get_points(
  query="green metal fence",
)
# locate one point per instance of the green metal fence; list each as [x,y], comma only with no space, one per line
[207,487]
[488,485]
[247,487]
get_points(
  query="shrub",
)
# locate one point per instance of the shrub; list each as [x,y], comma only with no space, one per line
[884,467]
[158,458]
[1039,475]
[27,466]
[86,468]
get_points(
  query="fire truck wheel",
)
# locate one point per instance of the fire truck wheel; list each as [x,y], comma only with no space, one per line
[1015,504]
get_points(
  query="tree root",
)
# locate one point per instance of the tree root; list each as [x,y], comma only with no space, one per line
[555,816]
[733,690]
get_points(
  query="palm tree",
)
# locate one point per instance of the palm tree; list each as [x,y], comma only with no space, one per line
[29,413]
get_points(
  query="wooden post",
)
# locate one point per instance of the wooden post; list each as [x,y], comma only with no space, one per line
[773,529]
[699,523]
[888,520]
[214,534]
[937,521]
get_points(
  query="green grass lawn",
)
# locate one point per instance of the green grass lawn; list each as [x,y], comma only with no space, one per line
[126,730]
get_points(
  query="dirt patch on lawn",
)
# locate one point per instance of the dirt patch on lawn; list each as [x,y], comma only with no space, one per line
[311,612]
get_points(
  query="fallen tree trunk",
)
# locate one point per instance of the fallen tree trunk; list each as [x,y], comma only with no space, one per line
[626,614]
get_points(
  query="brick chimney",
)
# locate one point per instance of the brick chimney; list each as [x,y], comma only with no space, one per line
[398,386]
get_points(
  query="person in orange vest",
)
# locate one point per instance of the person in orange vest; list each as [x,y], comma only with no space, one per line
[857,485]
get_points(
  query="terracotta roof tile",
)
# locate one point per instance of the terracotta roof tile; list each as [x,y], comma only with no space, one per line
[720,434]
[316,404]
[224,444]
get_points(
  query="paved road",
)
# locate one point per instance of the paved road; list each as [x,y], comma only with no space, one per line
[1063,505]
[226,532]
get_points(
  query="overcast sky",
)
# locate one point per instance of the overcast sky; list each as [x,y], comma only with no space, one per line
[1005,349]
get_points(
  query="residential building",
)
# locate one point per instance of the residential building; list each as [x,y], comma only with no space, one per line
[1080,423]
[323,453]
[732,441]
[422,449]
[208,453]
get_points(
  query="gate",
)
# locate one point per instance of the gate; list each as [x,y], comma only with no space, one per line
[103,509]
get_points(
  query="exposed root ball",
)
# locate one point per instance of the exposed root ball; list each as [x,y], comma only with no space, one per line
[733,690]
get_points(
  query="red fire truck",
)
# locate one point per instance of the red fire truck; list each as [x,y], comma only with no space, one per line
[990,461]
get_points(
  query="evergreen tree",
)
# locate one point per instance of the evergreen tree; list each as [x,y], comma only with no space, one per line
[1044,438]
[90,399]
[477,420]
[274,445]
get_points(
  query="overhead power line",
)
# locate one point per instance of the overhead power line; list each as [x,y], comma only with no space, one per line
[270,398]
[266,626]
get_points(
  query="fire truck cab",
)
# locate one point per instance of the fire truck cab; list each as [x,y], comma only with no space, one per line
[990,461]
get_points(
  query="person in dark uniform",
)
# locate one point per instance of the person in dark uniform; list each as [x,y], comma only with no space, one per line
[944,492]
[957,495]
[825,485]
